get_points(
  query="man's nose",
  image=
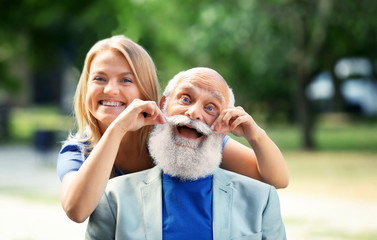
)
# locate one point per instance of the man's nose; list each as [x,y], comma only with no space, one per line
[111,88]
[194,112]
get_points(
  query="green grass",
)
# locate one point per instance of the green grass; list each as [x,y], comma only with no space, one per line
[25,121]
[359,137]
[353,137]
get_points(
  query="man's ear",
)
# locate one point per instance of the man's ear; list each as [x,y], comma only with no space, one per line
[162,102]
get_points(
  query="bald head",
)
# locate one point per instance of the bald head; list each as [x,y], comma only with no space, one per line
[204,78]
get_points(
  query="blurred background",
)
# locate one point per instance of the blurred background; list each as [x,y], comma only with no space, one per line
[304,69]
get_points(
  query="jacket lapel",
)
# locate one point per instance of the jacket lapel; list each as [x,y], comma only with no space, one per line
[152,205]
[222,205]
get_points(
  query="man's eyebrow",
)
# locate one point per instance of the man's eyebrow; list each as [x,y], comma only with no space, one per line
[218,96]
[190,88]
[186,87]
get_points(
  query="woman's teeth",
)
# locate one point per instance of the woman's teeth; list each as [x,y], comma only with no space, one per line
[111,104]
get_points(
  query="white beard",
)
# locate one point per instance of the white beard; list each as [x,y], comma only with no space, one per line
[181,157]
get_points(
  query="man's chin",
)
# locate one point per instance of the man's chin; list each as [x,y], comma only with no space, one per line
[188,142]
[185,146]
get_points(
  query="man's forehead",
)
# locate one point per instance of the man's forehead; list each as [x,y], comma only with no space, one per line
[192,86]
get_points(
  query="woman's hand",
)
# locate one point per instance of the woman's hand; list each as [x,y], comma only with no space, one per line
[139,114]
[238,122]
[263,162]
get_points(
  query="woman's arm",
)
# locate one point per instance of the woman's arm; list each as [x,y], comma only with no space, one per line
[82,190]
[264,161]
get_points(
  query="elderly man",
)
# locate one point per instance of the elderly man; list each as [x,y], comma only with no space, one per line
[187,195]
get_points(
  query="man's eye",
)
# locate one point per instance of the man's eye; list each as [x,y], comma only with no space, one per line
[185,99]
[209,108]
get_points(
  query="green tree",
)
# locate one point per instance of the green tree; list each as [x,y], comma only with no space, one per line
[320,33]
[44,36]
[268,50]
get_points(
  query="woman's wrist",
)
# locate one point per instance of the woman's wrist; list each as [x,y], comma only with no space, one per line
[257,136]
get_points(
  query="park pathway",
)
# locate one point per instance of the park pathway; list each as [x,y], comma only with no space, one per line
[30,208]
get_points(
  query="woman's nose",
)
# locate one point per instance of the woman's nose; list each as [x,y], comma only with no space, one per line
[111,88]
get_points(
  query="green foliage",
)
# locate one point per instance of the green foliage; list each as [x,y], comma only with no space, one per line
[259,46]
[256,45]
[268,51]
[46,35]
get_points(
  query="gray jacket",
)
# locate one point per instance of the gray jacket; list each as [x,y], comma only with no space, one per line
[131,208]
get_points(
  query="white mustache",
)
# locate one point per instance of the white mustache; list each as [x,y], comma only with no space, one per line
[182,120]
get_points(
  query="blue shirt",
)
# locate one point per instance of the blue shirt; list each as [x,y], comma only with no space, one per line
[186,208]
[70,158]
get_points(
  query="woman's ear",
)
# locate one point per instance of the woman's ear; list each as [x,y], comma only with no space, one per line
[162,102]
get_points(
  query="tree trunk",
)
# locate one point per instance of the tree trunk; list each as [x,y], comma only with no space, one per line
[4,121]
[338,101]
[304,112]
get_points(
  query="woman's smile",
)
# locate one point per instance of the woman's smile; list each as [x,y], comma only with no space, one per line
[110,103]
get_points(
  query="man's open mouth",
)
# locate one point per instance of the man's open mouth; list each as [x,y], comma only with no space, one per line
[188,132]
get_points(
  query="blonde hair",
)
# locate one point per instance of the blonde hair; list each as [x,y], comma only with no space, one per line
[143,69]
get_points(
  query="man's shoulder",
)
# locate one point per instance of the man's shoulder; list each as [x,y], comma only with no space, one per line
[132,180]
[244,189]
[241,182]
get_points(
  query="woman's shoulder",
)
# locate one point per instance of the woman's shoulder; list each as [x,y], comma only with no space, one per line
[225,140]
[73,143]
[71,156]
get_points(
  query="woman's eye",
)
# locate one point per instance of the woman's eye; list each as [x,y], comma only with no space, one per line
[126,80]
[99,79]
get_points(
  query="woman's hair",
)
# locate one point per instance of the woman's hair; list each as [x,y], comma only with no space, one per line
[142,68]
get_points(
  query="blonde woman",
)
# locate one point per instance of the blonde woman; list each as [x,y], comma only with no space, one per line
[115,108]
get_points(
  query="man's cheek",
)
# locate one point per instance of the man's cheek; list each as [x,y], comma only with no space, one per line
[210,120]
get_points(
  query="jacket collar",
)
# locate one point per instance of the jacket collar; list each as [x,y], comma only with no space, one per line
[222,205]
[152,204]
